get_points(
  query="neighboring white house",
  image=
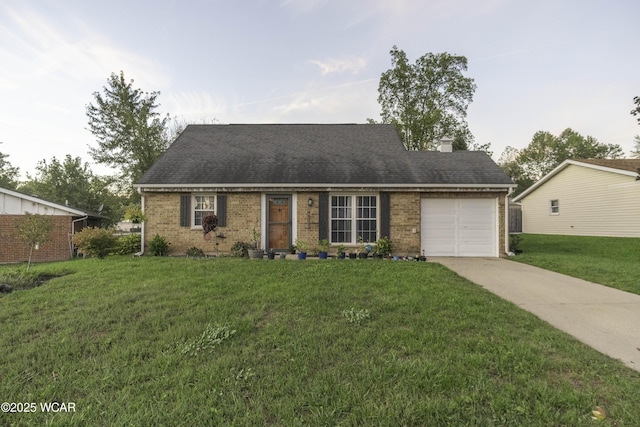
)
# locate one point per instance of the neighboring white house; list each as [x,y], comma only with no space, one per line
[591,197]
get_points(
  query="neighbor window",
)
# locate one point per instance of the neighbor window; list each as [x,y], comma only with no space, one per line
[353,218]
[202,206]
[554,207]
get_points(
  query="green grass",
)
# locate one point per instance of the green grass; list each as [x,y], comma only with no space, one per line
[610,261]
[188,342]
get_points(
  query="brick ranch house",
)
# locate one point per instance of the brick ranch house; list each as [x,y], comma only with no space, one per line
[339,182]
[64,220]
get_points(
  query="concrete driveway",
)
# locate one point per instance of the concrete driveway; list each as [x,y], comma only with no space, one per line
[604,318]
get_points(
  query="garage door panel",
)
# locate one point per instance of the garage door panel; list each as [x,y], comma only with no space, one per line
[458,227]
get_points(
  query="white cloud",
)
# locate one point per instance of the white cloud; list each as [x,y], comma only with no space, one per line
[196,106]
[38,50]
[352,64]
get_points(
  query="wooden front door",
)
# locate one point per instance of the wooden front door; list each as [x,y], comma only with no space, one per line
[279,222]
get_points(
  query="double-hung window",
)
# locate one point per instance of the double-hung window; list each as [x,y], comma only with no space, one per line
[554,207]
[203,205]
[353,218]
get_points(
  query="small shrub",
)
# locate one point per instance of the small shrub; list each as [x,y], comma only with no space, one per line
[384,246]
[194,252]
[92,241]
[357,316]
[241,249]
[21,278]
[128,244]
[158,246]
[514,243]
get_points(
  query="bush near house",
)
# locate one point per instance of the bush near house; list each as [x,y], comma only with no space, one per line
[128,244]
[95,242]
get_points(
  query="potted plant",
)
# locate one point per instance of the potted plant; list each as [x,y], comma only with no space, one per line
[362,253]
[134,214]
[255,252]
[341,254]
[384,247]
[272,254]
[301,247]
[323,248]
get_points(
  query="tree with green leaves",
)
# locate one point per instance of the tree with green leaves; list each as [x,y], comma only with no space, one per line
[33,230]
[427,100]
[8,173]
[636,139]
[635,152]
[71,182]
[636,110]
[131,134]
[545,152]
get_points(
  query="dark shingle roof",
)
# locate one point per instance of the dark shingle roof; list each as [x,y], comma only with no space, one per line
[312,154]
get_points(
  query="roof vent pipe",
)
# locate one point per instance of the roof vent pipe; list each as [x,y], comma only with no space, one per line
[446,145]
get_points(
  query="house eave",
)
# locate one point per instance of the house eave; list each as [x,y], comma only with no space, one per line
[33,199]
[565,164]
[271,187]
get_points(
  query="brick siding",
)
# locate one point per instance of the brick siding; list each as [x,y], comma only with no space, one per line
[243,213]
[12,249]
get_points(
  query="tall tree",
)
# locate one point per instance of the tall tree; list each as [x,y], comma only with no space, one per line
[426,100]
[8,173]
[71,182]
[131,134]
[636,110]
[546,151]
[635,152]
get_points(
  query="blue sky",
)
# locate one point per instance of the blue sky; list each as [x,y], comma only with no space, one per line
[544,65]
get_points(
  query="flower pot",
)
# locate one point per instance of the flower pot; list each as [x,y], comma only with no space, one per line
[322,255]
[341,255]
[272,255]
[302,255]
[283,255]
[363,255]
[353,255]
[255,253]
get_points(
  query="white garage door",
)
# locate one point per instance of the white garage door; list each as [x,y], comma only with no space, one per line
[459,227]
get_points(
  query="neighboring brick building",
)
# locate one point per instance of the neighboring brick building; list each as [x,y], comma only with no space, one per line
[65,221]
[337,182]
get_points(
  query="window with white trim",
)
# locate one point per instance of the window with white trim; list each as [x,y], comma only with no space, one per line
[203,204]
[554,207]
[353,218]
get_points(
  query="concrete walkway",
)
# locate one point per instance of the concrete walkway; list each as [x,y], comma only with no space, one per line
[604,318]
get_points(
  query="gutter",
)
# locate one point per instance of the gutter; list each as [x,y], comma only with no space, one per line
[506,222]
[142,227]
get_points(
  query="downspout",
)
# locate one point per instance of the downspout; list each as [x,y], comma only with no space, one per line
[141,225]
[506,221]
[73,231]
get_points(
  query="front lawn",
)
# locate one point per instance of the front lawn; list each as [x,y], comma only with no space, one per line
[161,341]
[610,261]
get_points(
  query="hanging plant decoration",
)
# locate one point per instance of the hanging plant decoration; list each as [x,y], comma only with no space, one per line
[209,223]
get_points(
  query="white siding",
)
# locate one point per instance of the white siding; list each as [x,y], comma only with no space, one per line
[592,203]
[13,205]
